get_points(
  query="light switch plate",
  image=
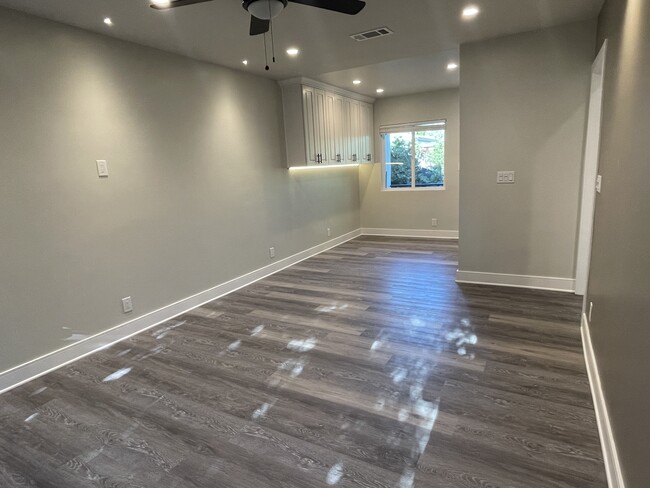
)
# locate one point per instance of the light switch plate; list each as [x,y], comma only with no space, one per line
[505,177]
[127,304]
[599,183]
[102,168]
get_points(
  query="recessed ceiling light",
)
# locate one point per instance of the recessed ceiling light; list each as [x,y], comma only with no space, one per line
[293,51]
[356,82]
[452,66]
[161,3]
[245,62]
[470,12]
[108,21]
[380,90]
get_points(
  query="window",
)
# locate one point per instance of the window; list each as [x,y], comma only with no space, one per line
[414,155]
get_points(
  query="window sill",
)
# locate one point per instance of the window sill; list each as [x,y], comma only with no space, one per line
[426,188]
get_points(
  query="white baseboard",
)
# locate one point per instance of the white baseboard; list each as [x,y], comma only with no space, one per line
[517,281]
[37,367]
[607,442]
[424,233]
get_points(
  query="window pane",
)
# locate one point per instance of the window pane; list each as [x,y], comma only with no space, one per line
[429,158]
[398,159]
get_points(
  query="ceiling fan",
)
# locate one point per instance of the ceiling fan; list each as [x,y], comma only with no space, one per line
[262,11]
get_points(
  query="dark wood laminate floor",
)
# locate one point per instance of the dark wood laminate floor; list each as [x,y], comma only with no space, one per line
[365,366]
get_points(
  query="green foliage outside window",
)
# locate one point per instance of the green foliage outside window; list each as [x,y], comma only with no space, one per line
[429,159]
[400,151]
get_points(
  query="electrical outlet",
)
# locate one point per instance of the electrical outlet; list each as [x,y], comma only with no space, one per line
[599,183]
[271,252]
[591,309]
[329,232]
[127,304]
[434,222]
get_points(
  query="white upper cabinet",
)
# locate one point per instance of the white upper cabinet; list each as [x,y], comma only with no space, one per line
[331,130]
[315,125]
[341,130]
[366,124]
[310,120]
[325,125]
[346,131]
[353,133]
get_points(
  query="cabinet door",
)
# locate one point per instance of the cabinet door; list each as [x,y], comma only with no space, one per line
[331,129]
[365,133]
[321,127]
[310,122]
[345,131]
[340,122]
[353,131]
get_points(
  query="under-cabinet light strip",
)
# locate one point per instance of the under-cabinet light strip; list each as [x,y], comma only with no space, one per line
[324,166]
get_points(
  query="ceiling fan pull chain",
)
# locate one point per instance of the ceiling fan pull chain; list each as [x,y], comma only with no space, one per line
[272,38]
[266,55]
[272,42]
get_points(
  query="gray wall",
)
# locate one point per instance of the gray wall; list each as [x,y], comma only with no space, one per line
[523,102]
[620,265]
[413,209]
[198,189]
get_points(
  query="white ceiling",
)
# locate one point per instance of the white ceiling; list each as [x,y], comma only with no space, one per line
[427,32]
[398,77]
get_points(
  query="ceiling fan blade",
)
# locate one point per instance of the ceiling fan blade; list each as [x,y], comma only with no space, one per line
[259,26]
[177,3]
[350,7]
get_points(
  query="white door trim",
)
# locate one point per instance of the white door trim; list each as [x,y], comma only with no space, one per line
[589,173]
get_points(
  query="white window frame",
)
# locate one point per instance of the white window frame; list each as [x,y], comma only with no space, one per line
[412,127]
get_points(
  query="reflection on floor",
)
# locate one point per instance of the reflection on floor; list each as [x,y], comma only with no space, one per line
[365,366]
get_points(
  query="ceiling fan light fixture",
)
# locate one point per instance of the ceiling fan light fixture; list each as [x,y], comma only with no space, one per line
[265,9]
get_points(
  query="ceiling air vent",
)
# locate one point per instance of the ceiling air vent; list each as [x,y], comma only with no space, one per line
[372,34]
